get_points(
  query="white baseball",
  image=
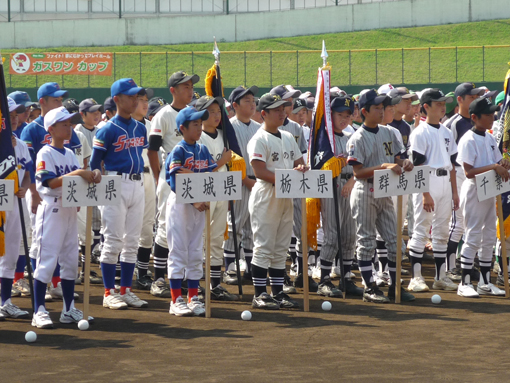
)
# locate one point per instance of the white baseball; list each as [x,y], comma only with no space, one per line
[83,325]
[246,315]
[30,337]
[326,305]
[436,299]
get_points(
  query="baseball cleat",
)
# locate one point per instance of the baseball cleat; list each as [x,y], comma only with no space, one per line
[9,310]
[417,285]
[180,308]
[265,301]
[42,319]
[444,283]
[489,289]
[467,291]
[114,302]
[132,300]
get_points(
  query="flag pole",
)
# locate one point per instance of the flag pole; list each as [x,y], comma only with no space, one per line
[216,53]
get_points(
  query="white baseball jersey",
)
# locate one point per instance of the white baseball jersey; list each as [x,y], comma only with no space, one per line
[297,131]
[89,134]
[244,133]
[215,145]
[23,158]
[437,145]
[53,163]
[478,150]
[163,124]
[85,151]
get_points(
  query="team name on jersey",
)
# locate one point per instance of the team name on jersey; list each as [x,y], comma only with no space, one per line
[47,140]
[22,163]
[125,143]
[388,148]
[62,170]
[197,164]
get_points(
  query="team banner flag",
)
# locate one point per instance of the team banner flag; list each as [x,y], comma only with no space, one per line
[58,63]
[7,156]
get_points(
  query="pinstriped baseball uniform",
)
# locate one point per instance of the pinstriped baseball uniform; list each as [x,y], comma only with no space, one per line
[373,147]
[347,224]
[244,133]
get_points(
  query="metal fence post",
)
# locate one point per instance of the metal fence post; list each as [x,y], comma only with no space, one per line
[402,65]
[483,63]
[429,66]
[140,68]
[297,68]
[9,11]
[192,62]
[244,68]
[166,65]
[456,64]
[271,69]
[349,67]
[114,66]
[120,9]
[376,67]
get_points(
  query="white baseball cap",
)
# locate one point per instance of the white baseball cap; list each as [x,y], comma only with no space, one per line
[385,89]
[56,115]
[305,95]
[15,107]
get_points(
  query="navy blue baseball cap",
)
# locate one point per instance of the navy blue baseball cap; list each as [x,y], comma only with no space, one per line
[194,99]
[284,92]
[50,89]
[21,98]
[298,105]
[190,114]
[342,103]
[242,91]
[109,104]
[468,88]
[125,86]
[155,105]
[205,102]
[483,106]
[371,97]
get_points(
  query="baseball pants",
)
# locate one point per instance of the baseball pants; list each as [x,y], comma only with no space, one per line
[243,225]
[371,215]
[33,249]
[149,212]
[57,240]
[28,228]
[13,239]
[82,226]
[219,211]
[347,227]
[457,218]
[185,239]
[162,192]
[122,224]
[441,193]
[271,220]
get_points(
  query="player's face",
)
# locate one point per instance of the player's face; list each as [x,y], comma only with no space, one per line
[127,104]
[143,105]
[246,106]
[467,100]
[91,118]
[14,120]
[34,113]
[416,110]
[61,131]
[485,121]
[389,114]
[22,117]
[341,120]
[274,117]
[404,106]
[51,103]
[193,132]
[437,109]
[183,92]
[375,115]
[301,116]
[288,109]
[214,115]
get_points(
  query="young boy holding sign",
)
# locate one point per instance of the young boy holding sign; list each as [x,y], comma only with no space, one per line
[479,153]
[56,226]
[185,234]
[271,219]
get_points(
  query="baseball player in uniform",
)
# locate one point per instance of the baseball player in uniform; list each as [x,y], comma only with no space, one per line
[243,101]
[9,262]
[432,144]
[271,218]
[21,98]
[56,226]
[374,147]
[342,108]
[165,134]
[185,234]
[119,145]
[459,124]
[478,153]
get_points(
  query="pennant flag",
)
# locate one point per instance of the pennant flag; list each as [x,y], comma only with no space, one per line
[321,148]
[214,88]
[7,155]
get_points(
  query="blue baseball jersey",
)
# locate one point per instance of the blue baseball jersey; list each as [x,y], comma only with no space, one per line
[20,128]
[122,142]
[194,157]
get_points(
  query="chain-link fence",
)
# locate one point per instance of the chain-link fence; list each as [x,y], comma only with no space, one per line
[299,68]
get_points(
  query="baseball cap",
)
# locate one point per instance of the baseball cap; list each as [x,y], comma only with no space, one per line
[13,106]
[490,93]
[71,104]
[482,106]
[284,92]
[271,101]
[125,86]
[417,101]
[194,99]
[310,103]
[205,102]
[146,92]
[336,92]
[402,92]
[468,88]
[371,97]
[21,98]
[434,94]
[181,77]
[394,100]
[500,97]
[90,105]
[155,104]
[56,115]
[109,104]
[451,105]
[385,89]
[242,91]
[190,114]
[305,95]
[50,89]
[35,106]
[342,103]
[298,105]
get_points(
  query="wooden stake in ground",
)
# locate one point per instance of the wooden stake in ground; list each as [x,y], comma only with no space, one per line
[86,275]
[304,242]
[208,263]
[399,249]
[502,237]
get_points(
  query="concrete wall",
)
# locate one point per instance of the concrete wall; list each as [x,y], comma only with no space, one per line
[247,26]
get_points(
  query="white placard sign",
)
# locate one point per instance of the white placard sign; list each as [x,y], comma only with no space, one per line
[78,192]
[206,187]
[296,184]
[387,183]
[490,184]
[6,195]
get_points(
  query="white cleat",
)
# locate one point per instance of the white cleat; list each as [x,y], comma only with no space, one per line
[489,289]
[23,287]
[42,319]
[417,285]
[180,308]
[132,300]
[467,291]
[196,307]
[444,283]
[113,301]
[9,310]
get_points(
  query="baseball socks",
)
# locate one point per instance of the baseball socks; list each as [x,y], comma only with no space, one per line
[276,280]
[160,261]
[292,249]
[326,267]
[56,276]
[440,261]
[416,260]
[5,292]
[108,271]
[382,255]
[126,276]
[485,272]
[248,256]
[68,293]
[19,273]
[451,254]
[176,289]
[230,257]
[365,268]
[259,276]
[215,276]
[143,259]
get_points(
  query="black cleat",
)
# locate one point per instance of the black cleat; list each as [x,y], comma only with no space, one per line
[219,293]
[95,279]
[312,285]
[327,289]
[144,283]
[230,277]
[351,289]
[374,294]
[285,301]
[405,296]
[265,302]
[500,281]
[288,288]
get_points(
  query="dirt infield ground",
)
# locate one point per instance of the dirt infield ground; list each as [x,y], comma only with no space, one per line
[459,340]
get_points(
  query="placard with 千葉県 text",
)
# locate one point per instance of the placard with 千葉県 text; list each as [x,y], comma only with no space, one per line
[387,183]
[207,187]
[291,183]
[490,184]
[6,195]
[78,192]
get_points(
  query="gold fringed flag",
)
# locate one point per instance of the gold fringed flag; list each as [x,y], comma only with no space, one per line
[321,148]
[502,134]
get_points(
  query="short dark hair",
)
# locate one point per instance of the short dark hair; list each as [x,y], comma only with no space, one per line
[422,109]
[367,108]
